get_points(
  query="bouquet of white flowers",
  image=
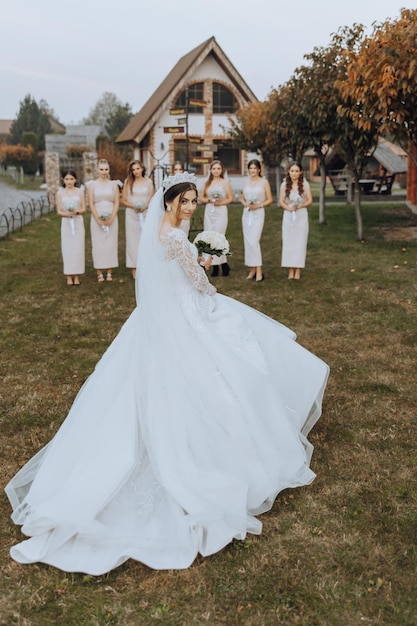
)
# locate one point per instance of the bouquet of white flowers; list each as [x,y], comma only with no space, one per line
[295,201]
[105,217]
[216,193]
[139,205]
[69,205]
[212,243]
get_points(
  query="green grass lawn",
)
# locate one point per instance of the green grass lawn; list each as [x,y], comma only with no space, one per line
[341,552]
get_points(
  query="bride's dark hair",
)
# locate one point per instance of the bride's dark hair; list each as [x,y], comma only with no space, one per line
[178,190]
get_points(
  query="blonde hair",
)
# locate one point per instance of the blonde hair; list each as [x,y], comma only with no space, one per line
[104,162]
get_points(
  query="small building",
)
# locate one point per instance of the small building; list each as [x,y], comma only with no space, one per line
[83,136]
[388,163]
[5,126]
[187,117]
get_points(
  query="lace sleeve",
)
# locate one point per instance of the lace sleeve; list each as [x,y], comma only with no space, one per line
[178,247]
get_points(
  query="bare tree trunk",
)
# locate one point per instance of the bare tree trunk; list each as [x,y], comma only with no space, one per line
[358,212]
[349,187]
[278,181]
[322,200]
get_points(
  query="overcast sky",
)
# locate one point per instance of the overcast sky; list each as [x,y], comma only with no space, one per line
[70,53]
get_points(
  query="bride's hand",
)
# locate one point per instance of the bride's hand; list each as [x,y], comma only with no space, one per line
[205,262]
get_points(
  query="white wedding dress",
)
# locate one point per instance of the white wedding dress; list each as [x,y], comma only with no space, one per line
[193,421]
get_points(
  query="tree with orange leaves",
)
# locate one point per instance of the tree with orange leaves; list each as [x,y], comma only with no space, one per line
[382,79]
[15,155]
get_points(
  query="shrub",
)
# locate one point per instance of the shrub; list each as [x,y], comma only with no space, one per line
[31,166]
[15,155]
[76,152]
[117,157]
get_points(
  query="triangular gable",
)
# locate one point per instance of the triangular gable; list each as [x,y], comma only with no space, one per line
[151,111]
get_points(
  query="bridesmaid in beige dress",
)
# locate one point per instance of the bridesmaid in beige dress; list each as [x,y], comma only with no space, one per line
[255,196]
[216,195]
[136,195]
[103,200]
[70,205]
[295,196]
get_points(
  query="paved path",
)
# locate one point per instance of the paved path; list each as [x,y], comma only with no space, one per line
[10,197]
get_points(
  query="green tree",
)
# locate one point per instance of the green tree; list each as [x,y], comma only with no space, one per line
[118,120]
[31,117]
[319,99]
[31,166]
[355,143]
[249,129]
[109,113]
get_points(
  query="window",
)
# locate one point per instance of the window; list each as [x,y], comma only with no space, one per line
[223,99]
[180,154]
[229,156]
[194,91]
[180,150]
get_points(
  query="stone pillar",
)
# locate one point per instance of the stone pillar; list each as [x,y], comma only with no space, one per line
[52,175]
[90,163]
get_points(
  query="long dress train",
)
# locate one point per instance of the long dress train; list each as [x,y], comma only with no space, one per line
[194,419]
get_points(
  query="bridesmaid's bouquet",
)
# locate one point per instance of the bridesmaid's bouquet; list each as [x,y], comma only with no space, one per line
[216,193]
[70,206]
[253,199]
[295,201]
[105,217]
[210,243]
[139,205]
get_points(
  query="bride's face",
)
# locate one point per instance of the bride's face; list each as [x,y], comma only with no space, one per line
[184,207]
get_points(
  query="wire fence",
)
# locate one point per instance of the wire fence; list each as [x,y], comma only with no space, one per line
[14,219]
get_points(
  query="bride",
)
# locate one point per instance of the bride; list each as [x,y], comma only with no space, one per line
[193,421]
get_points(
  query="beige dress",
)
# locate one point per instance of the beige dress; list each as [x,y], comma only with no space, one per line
[104,241]
[140,195]
[216,217]
[72,235]
[253,223]
[295,232]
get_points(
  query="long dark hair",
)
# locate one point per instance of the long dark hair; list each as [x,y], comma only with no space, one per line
[70,172]
[257,164]
[210,178]
[288,181]
[130,179]
[178,190]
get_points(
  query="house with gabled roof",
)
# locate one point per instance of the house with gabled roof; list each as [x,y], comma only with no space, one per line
[187,117]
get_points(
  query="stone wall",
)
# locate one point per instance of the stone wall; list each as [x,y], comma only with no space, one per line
[90,163]
[77,135]
[52,175]
[53,172]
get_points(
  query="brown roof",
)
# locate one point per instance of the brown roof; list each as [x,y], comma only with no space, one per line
[56,126]
[392,157]
[5,126]
[149,114]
